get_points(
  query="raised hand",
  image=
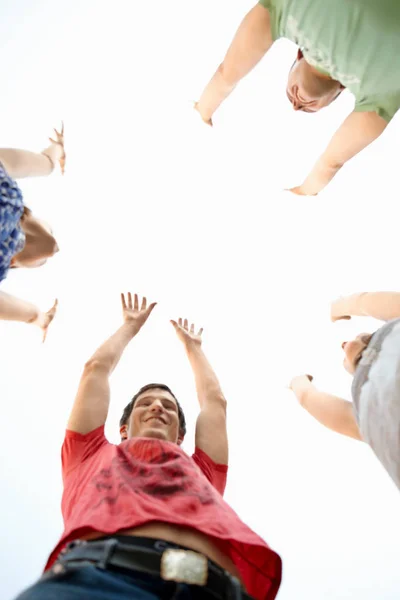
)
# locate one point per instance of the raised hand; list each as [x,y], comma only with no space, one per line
[132,313]
[338,310]
[43,320]
[206,121]
[59,141]
[299,191]
[186,335]
[300,380]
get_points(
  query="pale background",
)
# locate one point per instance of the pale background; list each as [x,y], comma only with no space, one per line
[153,201]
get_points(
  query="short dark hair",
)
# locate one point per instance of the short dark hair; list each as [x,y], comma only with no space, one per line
[151,386]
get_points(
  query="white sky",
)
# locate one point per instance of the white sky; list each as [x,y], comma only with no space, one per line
[153,201]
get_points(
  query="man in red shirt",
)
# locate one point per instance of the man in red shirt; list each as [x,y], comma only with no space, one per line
[142,519]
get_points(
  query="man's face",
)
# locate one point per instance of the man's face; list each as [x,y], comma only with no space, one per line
[308,90]
[154,415]
[353,351]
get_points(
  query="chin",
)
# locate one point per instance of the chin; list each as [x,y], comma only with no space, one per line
[153,432]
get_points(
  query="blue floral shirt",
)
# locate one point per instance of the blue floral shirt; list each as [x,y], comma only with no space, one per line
[12,237]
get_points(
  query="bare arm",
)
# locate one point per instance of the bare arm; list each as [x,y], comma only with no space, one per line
[379,305]
[331,411]
[91,404]
[15,309]
[211,431]
[356,133]
[23,163]
[251,42]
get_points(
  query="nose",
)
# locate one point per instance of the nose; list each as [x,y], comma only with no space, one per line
[344,345]
[156,406]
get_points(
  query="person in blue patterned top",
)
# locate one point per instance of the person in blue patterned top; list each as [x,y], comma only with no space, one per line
[25,241]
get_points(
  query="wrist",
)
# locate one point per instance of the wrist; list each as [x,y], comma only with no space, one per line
[131,327]
[192,348]
[36,317]
[348,306]
[54,153]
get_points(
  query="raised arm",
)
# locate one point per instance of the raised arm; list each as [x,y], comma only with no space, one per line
[23,163]
[379,305]
[251,42]
[356,133]
[211,433]
[15,309]
[91,404]
[331,411]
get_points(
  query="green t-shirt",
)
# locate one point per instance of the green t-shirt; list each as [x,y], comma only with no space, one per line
[356,42]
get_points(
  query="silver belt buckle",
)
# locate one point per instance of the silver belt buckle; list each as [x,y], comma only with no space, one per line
[184,566]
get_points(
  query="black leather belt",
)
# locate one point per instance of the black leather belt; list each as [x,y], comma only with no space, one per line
[153,557]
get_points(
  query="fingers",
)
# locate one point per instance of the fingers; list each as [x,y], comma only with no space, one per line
[128,304]
[184,324]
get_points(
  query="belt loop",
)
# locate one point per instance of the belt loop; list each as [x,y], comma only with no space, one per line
[109,547]
[235,589]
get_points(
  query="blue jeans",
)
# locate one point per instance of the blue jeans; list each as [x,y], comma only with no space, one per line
[93,583]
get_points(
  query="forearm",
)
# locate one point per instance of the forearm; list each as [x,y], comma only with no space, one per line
[331,411]
[108,355]
[15,309]
[23,163]
[207,385]
[250,44]
[379,305]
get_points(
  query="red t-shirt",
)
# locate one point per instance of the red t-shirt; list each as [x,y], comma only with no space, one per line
[108,488]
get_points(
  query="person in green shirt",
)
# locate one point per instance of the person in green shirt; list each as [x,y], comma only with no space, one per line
[341,44]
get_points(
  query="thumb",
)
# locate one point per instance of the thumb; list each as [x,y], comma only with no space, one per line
[174,323]
[151,307]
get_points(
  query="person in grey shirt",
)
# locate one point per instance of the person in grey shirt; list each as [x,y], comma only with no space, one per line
[374,362]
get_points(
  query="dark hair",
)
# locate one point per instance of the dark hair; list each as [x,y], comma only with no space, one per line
[151,386]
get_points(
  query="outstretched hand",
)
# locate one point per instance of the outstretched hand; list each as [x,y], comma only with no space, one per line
[43,320]
[299,191]
[132,313]
[60,142]
[186,335]
[338,312]
[206,121]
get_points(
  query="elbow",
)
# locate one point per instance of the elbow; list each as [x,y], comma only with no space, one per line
[221,401]
[228,75]
[96,365]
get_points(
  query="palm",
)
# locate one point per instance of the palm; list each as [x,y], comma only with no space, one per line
[60,141]
[132,313]
[185,334]
[47,319]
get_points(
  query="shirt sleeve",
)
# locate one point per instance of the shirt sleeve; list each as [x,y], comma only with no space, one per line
[77,448]
[385,106]
[215,473]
